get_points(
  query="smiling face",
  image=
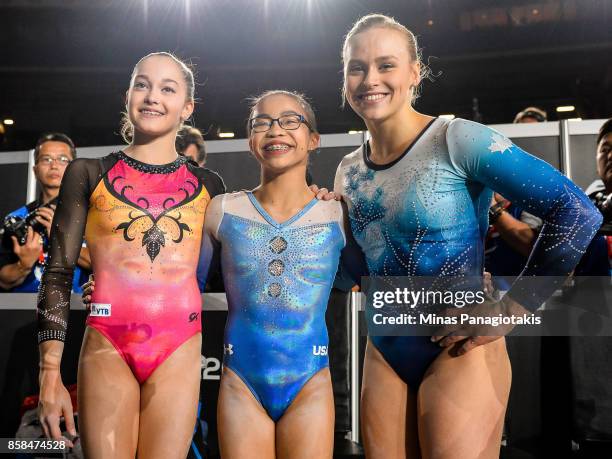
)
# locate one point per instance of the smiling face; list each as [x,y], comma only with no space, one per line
[158,100]
[379,74]
[604,161]
[280,149]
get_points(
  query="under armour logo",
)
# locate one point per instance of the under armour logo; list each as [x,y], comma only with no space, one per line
[193,316]
[229,349]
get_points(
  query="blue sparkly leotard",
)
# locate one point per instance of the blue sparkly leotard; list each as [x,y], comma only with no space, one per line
[278,278]
[425,214]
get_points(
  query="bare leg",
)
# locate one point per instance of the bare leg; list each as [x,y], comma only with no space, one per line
[306,429]
[168,407]
[462,401]
[245,429]
[388,411]
[109,400]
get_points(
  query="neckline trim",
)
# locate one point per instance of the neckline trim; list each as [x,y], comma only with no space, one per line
[379,167]
[271,220]
[152,168]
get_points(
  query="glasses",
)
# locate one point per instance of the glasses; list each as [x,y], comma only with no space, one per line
[48,160]
[287,122]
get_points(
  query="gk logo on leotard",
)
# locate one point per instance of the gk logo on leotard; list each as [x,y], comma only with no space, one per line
[229,349]
[319,350]
[193,316]
[100,310]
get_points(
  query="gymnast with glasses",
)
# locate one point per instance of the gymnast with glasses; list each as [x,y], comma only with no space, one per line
[279,251]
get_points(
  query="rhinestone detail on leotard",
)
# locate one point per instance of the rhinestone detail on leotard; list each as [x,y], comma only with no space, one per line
[153,168]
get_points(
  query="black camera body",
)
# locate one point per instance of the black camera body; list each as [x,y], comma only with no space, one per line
[18,226]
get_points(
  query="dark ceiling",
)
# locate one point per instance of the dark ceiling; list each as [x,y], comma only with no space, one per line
[65,65]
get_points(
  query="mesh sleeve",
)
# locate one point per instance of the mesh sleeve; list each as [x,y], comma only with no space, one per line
[209,264]
[214,183]
[65,244]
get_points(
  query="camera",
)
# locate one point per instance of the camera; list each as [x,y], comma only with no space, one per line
[18,226]
[603,202]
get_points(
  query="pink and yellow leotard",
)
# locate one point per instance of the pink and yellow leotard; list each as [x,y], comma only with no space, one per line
[143,224]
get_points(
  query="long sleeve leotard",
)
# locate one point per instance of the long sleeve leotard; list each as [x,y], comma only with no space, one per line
[143,224]
[425,214]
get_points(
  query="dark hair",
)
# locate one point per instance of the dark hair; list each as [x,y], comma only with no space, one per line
[308,176]
[188,135]
[299,98]
[604,130]
[127,128]
[54,137]
[382,21]
[531,112]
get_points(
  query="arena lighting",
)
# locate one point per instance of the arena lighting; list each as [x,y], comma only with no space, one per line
[8,122]
[226,135]
[355,132]
[565,108]
[449,116]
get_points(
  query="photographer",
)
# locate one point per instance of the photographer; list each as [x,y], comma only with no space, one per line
[597,261]
[22,261]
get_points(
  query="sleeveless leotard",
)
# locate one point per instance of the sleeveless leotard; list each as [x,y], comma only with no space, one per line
[278,278]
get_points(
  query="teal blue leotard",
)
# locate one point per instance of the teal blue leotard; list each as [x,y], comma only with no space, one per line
[425,214]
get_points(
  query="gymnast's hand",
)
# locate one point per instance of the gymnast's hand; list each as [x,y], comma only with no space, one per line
[487,284]
[465,337]
[324,194]
[88,289]
[54,401]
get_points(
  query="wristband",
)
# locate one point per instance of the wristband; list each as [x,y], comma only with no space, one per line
[494,214]
[497,209]
[500,206]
